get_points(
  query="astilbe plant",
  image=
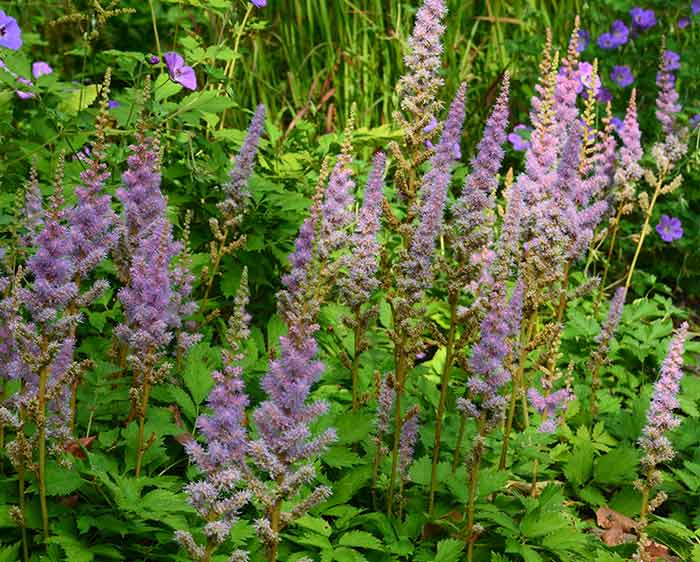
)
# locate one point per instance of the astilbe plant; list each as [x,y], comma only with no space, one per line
[655,442]
[235,202]
[219,497]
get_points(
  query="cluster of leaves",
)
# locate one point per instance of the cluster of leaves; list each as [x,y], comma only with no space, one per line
[100,511]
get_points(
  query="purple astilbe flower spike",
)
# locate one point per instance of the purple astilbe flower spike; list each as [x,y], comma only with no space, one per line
[569,80]
[667,105]
[660,419]
[141,197]
[669,228]
[499,328]
[549,406]
[33,209]
[385,405]
[181,305]
[179,72]
[336,210]
[416,270]
[407,443]
[613,319]
[92,220]
[10,32]
[421,83]
[673,146]
[218,498]
[147,298]
[630,153]
[360,281]
[473,211]
[236,188]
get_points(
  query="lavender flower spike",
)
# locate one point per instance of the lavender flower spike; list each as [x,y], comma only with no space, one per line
[630,153]
[473,212]
[667,105]
[360,281]
[33,209]
[416,270]
[235,188]
[660,419]
[336,209]
[407,444]
[419,86]
[549,406]
[217,498]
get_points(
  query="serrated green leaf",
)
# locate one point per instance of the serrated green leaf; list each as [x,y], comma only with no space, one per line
[74,549]
[79,99]
[340,457]
[579,467]
[10,553]
[619,466]
[449,550]
[315,524]
[199,364]
[361,539]
[345,554]
[61,481]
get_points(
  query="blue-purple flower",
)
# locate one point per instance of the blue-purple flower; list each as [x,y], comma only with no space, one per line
[642,19]
[113,104]
[603,95]
[517,137]
[41,68]
[10,32]
[259,3]
[622,75]
[694,121]
[683,22]
[695,7]
[617,124]
[671,61]
[153,59]
[616,37]
[669,228]
[179,71]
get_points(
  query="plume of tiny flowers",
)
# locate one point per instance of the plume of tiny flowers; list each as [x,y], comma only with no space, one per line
[217,498]
[360,281]
[385,404]
[673,146]
[660,418]
[336,209]
[33,209]
[473,211]
[407,440]
[487,362]
[182,306]
[92,220]
[416,274]
[418,88]
[286,447]
[236,188]
[141,198]
[667,106]
[613,319]
[549,406]
[629,172]
[567,86]
[147,298]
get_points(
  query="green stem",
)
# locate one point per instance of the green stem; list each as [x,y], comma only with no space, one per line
[21,478]
[399,382]
[155,28]
[142,422]
[645,227]
[444,383]
[356,361]
[460,439]
[41,444]
[214,268]
[473,484]
[606,267]
[517,388]
[231,65]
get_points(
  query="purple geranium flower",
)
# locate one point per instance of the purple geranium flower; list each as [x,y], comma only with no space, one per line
[259,3]
[622,75]
[519,142]
[643,19]
[112,104]
[683,22]
[694,121]
[606,41]
[695,6]
[179,72]
[584,38]
[617,124]
[153,59]
[603,95]
[40,68]
[10,33]
[671,61]
[669,228]
[22,94]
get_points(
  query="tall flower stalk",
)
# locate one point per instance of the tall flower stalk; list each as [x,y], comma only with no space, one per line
[236,196]
[654,441]
[665,153]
